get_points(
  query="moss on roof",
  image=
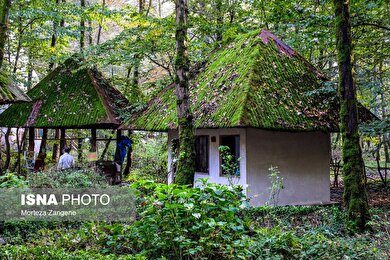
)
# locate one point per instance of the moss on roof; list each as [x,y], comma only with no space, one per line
[69,97]
[10,93]
[256,81]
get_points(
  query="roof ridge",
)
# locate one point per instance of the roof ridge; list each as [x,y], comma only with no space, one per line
[109,112]
[265,35]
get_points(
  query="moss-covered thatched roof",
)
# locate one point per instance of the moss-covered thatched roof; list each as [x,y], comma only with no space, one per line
[256,81]
[69,97]
[10,93]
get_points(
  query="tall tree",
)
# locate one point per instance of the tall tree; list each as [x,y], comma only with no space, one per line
[82,27]
[355,196]
[186,161]
[5,6]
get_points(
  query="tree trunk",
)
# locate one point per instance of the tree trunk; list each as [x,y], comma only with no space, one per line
[100,24]
[5,7]
[355,196]
[219,20]
[186,162]
[90,33]
[30,69]
[82,27]
[54,39]
[19,47]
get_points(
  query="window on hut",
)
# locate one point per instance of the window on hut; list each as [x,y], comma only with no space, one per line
[230,154]
[202,153]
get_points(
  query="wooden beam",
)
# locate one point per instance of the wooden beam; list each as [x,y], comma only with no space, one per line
[42,148]
[93,140]
[55,146]
[62,140]
[31,139]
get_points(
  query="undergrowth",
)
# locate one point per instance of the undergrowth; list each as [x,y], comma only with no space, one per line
[208,222]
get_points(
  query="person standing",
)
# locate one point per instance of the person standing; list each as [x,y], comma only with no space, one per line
[66,160]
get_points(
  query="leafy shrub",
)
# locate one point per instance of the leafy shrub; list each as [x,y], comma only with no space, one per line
[66,179]
[198,222]
[210,221]
[11,180]
[150,158]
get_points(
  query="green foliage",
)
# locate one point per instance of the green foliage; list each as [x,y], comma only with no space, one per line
[11,180]
[229,163]
[190,222]
[276,185]
[66,179]
[149,157]
[208,222]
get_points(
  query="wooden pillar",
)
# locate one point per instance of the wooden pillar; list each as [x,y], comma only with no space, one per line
[93,140]
[79,146]
[118,175]
[31,139]
[55,146]
[42,148]
[62,140]
[126,171]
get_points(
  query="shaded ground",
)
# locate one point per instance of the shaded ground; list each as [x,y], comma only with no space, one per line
[378,196]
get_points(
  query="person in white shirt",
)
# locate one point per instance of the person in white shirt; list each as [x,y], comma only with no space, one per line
[66,160]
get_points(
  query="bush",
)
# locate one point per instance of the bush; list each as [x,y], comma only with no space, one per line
[150,158]
[207,222]
[66,179]
[197,222]
[11,180]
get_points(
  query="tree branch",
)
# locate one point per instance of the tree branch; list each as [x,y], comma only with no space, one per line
[373,24]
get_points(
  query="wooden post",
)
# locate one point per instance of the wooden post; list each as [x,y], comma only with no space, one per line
[42,148]
[55,146]
[79,146]
[93,140]
[7,149]
[62,141]
[31,139]
[126,171]
[118,175]
[40,160]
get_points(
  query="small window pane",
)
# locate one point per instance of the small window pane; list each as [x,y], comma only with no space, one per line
[230,165]
[202,153]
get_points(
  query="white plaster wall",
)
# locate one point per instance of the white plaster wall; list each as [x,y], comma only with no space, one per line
[302,158]
[214,163]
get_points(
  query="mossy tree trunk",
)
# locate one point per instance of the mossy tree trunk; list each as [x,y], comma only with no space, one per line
[355,196]
[186,161]
[5,6]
